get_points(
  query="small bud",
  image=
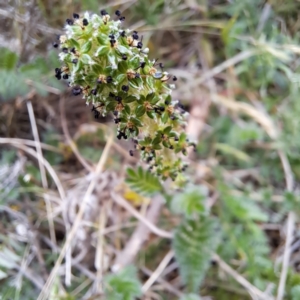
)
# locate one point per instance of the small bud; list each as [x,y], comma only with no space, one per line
[131,152]
[118,13]
[122,19]
[75,61]
[125,88]
[174,78]
[135,36]
[124,57]
[55,45]
[76,91]
[139,45]
[69,22]
[75,16]
[94,92]
[85,22]
[65,76]
[103,12]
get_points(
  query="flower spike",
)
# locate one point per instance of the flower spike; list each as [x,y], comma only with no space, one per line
[110,68]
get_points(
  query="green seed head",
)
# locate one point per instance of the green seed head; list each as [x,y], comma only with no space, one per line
[110,68]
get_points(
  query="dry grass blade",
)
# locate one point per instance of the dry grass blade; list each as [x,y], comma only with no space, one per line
[290,227]
[42,170]
[155,275]
[122,202]
[47,287]
[40,158]
[241,280]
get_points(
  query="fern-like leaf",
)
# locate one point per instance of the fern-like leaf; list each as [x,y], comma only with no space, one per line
[143,182]
[194,242]
[191,201]
[123,286]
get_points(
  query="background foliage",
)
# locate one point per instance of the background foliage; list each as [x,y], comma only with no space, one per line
[236,205]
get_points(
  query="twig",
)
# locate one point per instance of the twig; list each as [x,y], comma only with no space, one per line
[42,169]
[155,275]
[166,284]
[141,233]
[290,227]
[240,279]
[47,287]
[122,202]
[221,67]
[100,249]
[32,143]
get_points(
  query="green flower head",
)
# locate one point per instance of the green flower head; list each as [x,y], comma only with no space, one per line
[109,66]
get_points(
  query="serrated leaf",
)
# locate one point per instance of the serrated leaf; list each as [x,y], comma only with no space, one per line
[194,242]
[191,201]
[143,182]
[124,285]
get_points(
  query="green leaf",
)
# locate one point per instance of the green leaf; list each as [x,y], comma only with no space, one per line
[140,111]
[295,292]
[191,201]
[102,50]
[124,285]
[121,78]
[85,59]
[102,39]
[136,121]
[194,242]
[74,43]
[165,117]
[167,129]
[127,109]
[123,49]
[143,182]
[130,99]
[86,47]
[228,150]
[97,69]
[8,59]
[243,208]
[156,140]
[122,67]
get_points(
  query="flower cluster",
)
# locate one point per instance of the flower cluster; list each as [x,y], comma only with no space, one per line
[110,68]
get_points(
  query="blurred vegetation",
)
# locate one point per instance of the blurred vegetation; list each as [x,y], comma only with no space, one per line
[236,203]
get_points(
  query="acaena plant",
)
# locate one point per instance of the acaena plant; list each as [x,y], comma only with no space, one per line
[109,66]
